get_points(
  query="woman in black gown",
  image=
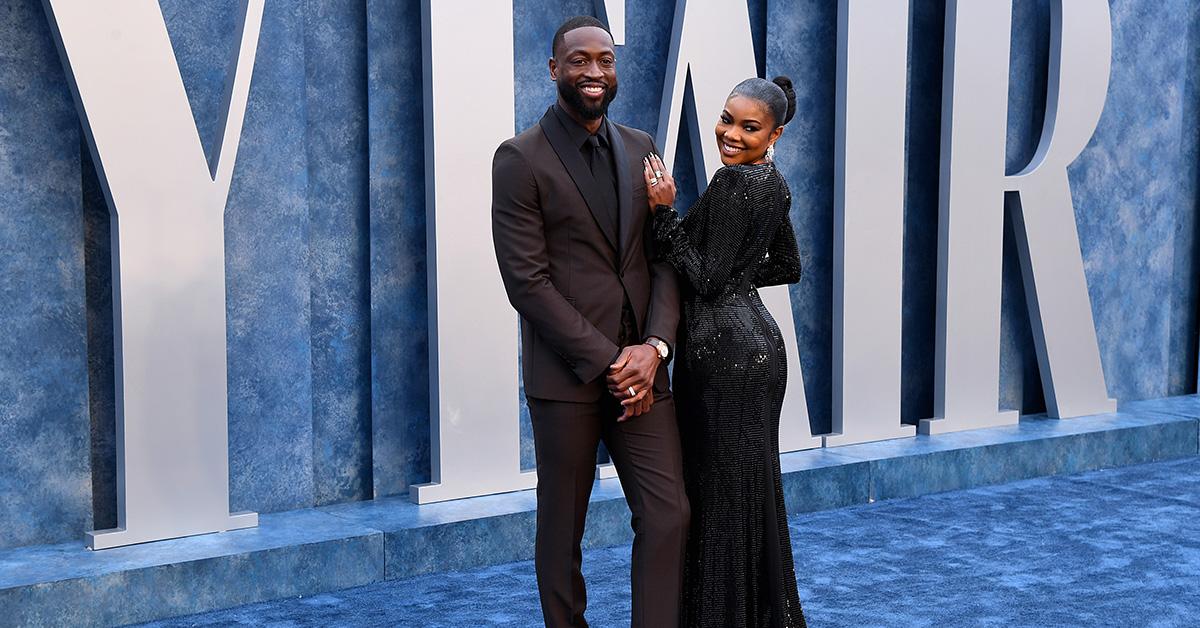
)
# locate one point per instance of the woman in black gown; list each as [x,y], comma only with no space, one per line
[731,370]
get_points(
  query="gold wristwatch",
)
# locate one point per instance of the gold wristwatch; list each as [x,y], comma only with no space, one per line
[659,346]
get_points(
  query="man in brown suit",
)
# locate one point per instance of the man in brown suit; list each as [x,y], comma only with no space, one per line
[598,321]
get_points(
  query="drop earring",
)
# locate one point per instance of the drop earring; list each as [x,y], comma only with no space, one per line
[771,153]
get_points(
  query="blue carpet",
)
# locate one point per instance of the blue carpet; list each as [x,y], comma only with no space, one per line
[1119,547]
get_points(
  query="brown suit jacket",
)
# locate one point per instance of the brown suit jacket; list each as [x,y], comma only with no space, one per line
[561,267]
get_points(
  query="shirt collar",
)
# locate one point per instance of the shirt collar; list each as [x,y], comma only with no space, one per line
[578,134]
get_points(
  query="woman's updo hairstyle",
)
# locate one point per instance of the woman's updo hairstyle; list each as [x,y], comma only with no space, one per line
[778,95]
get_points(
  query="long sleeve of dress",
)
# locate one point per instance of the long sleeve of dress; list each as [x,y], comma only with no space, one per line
[703,249]
[782,262]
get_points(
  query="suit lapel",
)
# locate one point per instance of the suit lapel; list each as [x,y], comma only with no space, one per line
[624,192]
[572,160]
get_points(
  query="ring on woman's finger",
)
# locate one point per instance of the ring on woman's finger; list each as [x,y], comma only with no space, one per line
[654,181]
[658,174]
[631,391]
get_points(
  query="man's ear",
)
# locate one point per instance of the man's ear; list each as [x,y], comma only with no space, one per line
[553,69]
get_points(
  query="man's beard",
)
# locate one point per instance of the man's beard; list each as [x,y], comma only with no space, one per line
[574,97]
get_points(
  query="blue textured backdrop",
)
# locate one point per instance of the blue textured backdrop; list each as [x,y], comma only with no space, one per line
[325,231]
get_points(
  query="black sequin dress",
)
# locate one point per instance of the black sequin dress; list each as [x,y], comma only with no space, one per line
[729,382]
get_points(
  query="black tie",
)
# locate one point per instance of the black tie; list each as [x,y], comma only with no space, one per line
[602,172]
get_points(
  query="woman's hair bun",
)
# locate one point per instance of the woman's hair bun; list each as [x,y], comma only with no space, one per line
[778,95]
[789,91]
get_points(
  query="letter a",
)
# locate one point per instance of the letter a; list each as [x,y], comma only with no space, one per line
[713,70]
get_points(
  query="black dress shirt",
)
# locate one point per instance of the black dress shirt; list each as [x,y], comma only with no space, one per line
[597,153]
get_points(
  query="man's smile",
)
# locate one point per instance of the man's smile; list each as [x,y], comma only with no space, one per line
[593,90]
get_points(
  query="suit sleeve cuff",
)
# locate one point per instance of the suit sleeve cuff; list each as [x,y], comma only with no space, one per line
[616,356]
